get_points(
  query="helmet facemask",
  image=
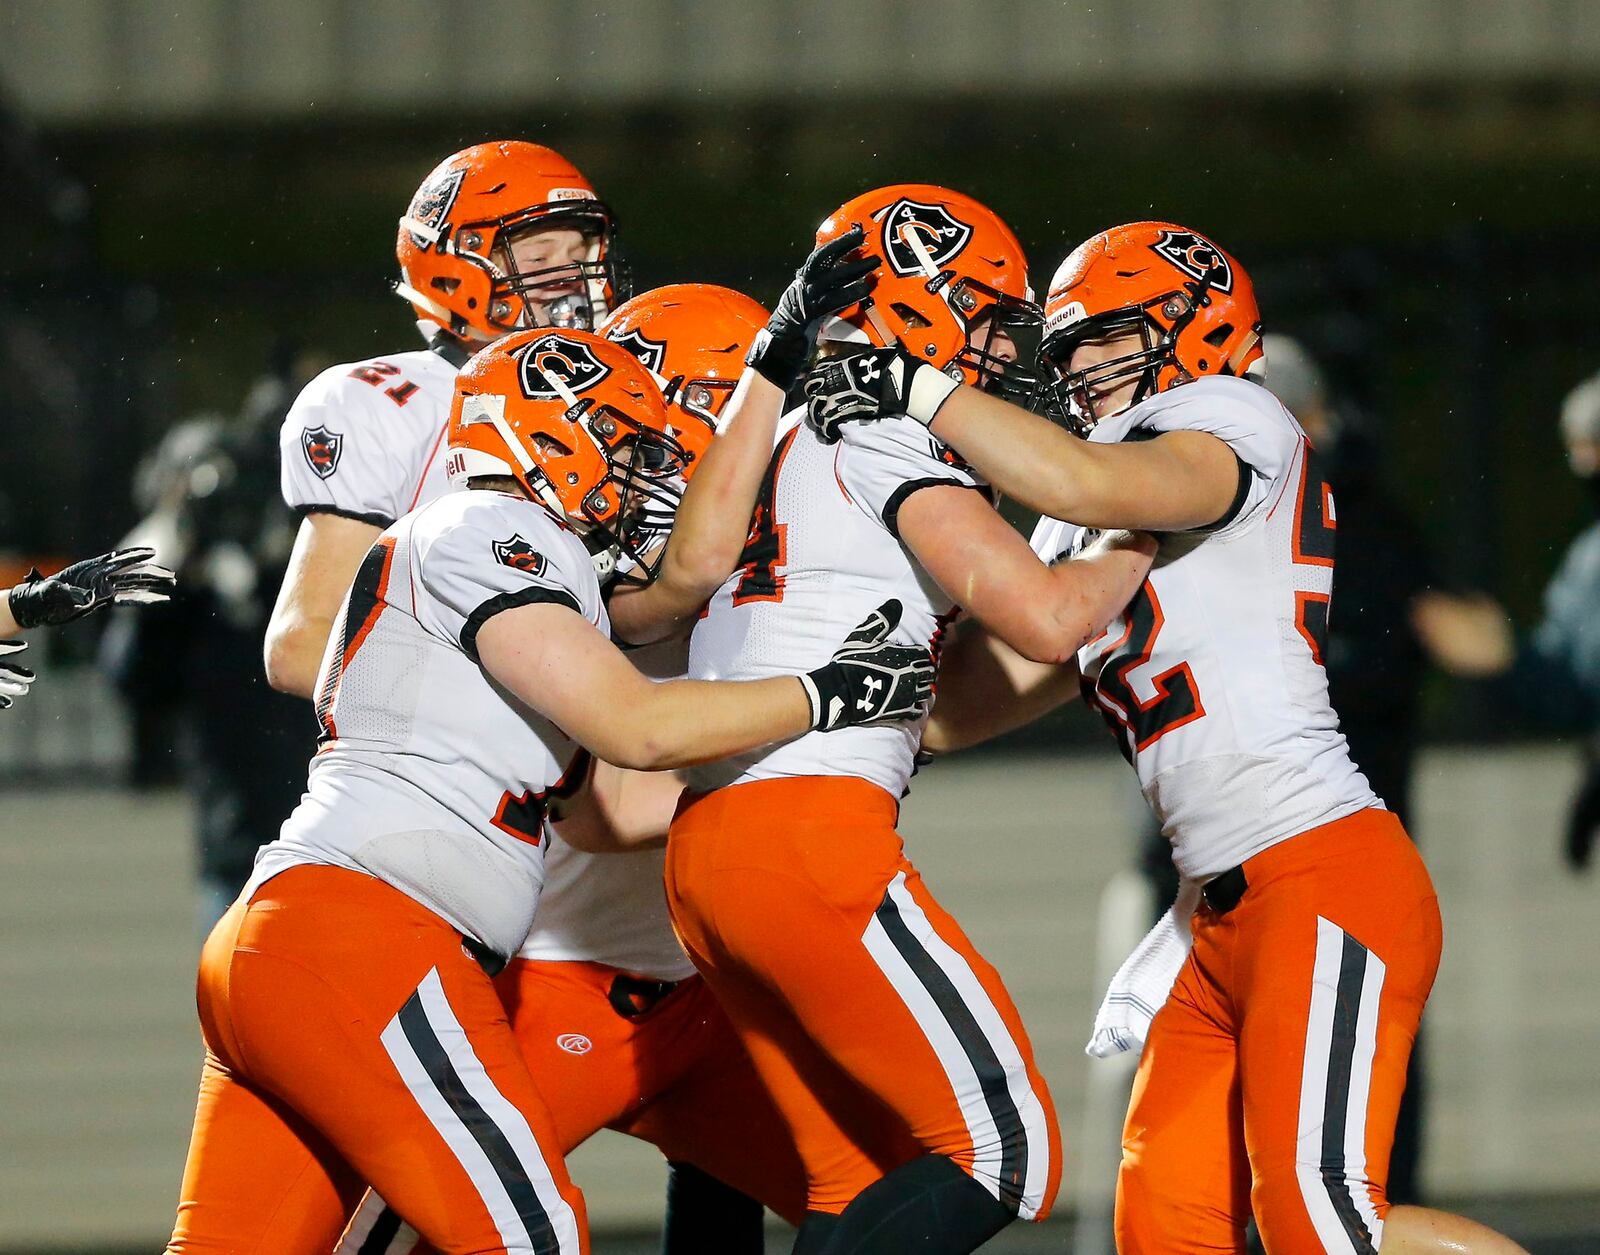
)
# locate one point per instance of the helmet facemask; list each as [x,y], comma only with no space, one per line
[988,315]
[573,295]
[630,514]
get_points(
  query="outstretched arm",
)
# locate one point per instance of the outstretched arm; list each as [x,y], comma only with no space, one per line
[1045,613]
[1176,481]
[713,520]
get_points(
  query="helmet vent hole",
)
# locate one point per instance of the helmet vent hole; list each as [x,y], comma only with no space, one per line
[912,319]
[1216,339]
[445,284]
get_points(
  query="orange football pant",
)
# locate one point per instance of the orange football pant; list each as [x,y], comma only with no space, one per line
[877,1027]
[676,1076]
[350,1038]
[1271,1078]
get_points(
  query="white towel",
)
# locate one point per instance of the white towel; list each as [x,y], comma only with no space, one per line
[1144,980]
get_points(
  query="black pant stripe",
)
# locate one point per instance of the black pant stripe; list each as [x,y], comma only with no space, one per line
[383,1232]
[502,1158]
[990,1072]
[1336,1106]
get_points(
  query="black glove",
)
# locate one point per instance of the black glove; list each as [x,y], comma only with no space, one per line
[877,383]
[869,681]
[1583,821]
[822,287]
[124,575]
[14,677]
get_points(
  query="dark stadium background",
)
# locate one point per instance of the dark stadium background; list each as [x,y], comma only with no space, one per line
[1427,222]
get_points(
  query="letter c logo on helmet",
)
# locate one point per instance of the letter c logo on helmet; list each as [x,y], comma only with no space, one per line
[1197,257]
[556,363]
[914,231]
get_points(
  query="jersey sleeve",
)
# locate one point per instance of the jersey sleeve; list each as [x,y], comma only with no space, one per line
[881,464]
[1263,435]
[490,560]
[337,454]
[1053,540]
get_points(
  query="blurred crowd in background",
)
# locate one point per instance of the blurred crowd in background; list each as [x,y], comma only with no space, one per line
[1423,247]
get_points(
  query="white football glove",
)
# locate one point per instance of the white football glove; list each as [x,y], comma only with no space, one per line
[14,677]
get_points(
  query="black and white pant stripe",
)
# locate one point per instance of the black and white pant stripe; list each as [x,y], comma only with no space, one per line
[1335,1087]
[488,1135]
[1005,1118]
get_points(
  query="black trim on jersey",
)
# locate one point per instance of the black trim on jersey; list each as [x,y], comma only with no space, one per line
[377,520]
[891,507]
[531,596]
[1240,495]
[491,1140]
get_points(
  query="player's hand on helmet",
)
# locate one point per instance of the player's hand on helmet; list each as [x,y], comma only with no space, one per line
[828,282]
[14,677]
[868,680]
[122,576]
[877,383]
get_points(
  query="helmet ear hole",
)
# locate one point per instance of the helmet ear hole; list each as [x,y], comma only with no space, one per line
[445,284]
[1216,339]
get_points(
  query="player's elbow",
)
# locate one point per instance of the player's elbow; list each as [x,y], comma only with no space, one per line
[1048,630]
[695,572]
[292,654]
[645,750]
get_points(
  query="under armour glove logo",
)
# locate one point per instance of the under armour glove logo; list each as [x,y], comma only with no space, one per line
[878,383]
[870,681]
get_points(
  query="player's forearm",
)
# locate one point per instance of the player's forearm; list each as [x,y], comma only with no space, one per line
[713,521]
[684,722]
[8,625]
[1175,482]
[987,689]
[1024,456]
[293,653]
[619,811]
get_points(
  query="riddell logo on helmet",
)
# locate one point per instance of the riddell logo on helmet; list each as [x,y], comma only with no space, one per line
[1071,312]
[556,358]
[433,202]
[1197,257]
[912,230]
[651,352]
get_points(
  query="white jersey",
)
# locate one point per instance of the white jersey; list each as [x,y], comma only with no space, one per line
[427,775]
[824,553]
[366,440]
[1212,680]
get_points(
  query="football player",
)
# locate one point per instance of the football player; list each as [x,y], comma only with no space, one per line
[1271,1078]
[859,998]
[122,577]
[501,235]
[353,1032]
[614,1023]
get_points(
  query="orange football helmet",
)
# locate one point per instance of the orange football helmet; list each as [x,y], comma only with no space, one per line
[454,244]
[948,266]
[579,423]
[1192,304]
[693,338]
